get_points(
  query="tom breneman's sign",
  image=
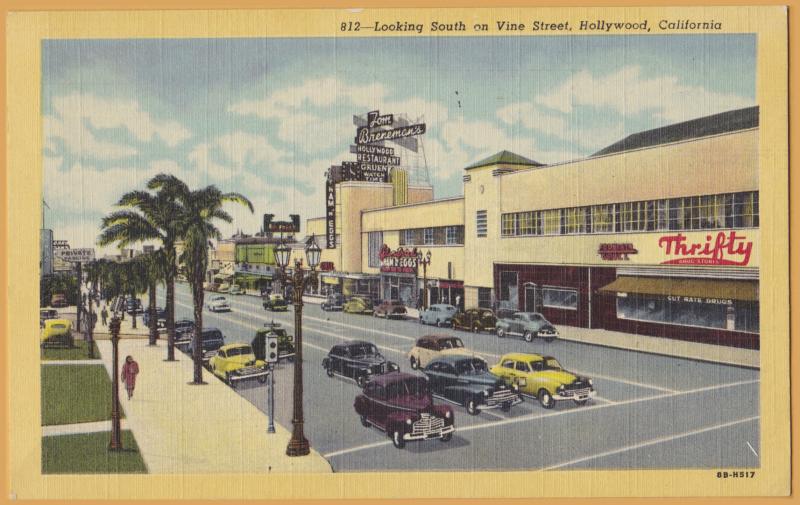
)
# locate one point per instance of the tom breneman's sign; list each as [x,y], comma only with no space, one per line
[398,261]
[370,134]
[81,255]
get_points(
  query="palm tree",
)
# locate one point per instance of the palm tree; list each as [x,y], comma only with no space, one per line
[154,264]
[149,217]
[201,209]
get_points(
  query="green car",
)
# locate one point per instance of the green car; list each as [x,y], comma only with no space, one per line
[358,305]
[275,302]
[285,342]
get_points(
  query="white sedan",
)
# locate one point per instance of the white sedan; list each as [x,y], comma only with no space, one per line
[218,304]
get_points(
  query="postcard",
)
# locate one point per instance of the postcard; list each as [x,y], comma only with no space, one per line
[398,253]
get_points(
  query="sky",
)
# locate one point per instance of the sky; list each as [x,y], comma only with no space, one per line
[268,117]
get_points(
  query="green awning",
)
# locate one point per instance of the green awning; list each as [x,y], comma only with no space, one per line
[705,288]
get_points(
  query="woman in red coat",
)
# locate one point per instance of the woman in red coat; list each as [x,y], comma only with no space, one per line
[129,371]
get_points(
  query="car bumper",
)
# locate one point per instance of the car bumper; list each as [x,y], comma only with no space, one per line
[434,434]
[575,396]
[496,405]
[240,376]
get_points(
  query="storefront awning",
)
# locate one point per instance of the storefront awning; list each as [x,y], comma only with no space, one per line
[705,288]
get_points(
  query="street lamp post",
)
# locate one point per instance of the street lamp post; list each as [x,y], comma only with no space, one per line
[298,445]
[424,261]
[116,438]
[90,325]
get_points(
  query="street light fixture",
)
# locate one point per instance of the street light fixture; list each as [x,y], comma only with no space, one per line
[298,445]
[424,261]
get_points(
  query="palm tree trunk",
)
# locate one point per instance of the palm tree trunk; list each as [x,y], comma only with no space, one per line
[197,346]
[169,303]
[153,316]
[133,314]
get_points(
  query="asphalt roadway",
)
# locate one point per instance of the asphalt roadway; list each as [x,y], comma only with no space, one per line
[651,412]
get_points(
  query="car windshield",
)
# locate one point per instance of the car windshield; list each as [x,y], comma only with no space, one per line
[409,387]
[451,343]
[552,364]
[238,351]
[487,314]
[59,326]
[470,366]
[363,350]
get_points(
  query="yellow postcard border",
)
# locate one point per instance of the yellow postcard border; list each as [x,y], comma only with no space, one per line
[25,30]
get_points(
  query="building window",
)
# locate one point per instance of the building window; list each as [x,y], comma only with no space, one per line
[509,287]
[602,218]
[451,235]
[560,298]
[428,236]
[528,223]
[485,298]
[375,241]
[481,223]
[689,311]
[551,222]
[576,220]
[509,225]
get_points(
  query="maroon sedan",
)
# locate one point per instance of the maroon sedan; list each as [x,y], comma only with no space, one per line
[390,310]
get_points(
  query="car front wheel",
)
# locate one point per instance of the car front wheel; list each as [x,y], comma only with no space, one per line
[397,439]
[262,379]
[528,336]
[364,422]
[329,371]
[447,437]
[546,399]
[580,402]
[501,333]
[414,363]
[472,408]
[505,407]
[361,380]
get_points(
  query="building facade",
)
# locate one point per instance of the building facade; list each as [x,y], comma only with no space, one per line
[657,234]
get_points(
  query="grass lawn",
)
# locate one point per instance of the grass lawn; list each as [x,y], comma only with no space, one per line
[80,351]
[75,394]
[88,453]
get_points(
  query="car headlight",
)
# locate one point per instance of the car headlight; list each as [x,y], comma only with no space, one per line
[368,371]
[515,387]
[447,415]
[485,393]
[522,383]
[408,421]
[591,382]
[561,387]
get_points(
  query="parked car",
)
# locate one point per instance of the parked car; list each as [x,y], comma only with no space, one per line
[440,314]
[466,380]
[237,362]
[430,347]
[285,342]
[528,325]
[45,314]
[543,378]
[57,333]
[236,290]
[182,327]
[275,302]
[161,317]
[218,304]
[58,300]
[334,301]
[359,305]
[401,405]
[211,340]
[224,288]
[475,320]
[357,360]
[390,310]
[133,306]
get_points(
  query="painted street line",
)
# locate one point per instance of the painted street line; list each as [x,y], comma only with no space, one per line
[539,415]
[751,448]
[78,428]
[374,332]
[64,362]
[654,441]
[355,449]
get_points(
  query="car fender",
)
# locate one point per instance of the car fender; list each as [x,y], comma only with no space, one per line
[398,419]
[360,404]
[463,391]
[502,324]
[325,363]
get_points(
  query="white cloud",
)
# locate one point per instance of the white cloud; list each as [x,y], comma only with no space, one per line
[628,92]
[79,140]
[532,117]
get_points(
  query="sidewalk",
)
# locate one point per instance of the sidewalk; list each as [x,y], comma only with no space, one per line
[76,429]
[185,429]
[669,347]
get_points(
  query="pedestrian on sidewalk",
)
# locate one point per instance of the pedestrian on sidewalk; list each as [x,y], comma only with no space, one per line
[104,315]
[129,371]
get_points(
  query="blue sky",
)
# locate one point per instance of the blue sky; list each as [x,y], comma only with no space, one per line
[267,117]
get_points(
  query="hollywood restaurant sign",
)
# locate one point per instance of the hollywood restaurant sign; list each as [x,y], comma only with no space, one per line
[400,260]
[724,248]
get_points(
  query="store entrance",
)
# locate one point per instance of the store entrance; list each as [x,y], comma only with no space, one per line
[531,303]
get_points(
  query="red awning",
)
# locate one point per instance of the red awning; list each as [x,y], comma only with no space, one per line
[451,284]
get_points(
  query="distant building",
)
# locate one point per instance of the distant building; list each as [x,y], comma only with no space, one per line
[46,252]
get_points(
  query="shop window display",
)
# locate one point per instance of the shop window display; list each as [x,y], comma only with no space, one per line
[689,311]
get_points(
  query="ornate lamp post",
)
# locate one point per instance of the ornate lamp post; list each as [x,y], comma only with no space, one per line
[116,438]
[92,287]
[424,261]
[298,445]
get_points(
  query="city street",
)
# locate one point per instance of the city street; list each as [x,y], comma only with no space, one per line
[653,412]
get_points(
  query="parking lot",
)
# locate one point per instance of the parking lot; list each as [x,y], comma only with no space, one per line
[651,411]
